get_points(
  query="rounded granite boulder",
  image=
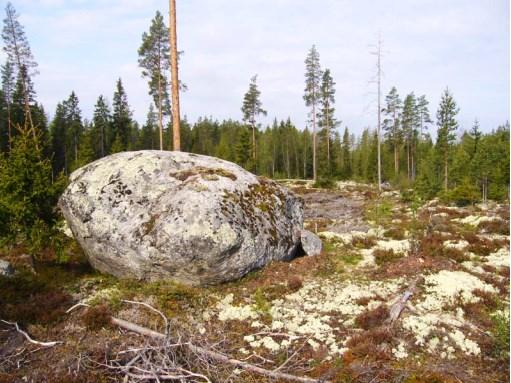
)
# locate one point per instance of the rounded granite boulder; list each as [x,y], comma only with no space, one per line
[174,215]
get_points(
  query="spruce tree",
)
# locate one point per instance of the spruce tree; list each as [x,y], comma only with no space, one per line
[74,128]
[121,119]
[251,108]
[146,138]
[346,155]
[102,122]
[446,133]
[58,133]
[87,153]
[476,134]
[312,94]
[243,149]
[27,194]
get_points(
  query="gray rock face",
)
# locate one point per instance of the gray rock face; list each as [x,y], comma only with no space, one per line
[311,243]
[5,268]
[187,217]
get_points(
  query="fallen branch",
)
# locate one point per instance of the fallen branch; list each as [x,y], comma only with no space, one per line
[152,309]
[397,308]
[27,337]
[79,304]
[213,354]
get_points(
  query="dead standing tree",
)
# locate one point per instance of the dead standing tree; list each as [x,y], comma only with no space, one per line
[174,76]
[377,52]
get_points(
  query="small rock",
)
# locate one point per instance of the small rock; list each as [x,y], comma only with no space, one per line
[5,268]
[311,243]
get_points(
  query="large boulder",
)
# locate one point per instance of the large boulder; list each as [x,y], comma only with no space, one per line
[181,216]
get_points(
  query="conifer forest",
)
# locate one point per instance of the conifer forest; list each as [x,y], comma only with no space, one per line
[251,248]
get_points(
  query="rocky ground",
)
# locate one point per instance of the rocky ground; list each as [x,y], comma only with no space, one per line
[333,317]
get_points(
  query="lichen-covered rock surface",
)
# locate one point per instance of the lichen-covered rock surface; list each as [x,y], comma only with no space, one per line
[191,218]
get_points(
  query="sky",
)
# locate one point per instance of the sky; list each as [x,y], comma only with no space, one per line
[428,45]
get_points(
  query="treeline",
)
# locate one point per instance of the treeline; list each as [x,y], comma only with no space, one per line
[479,163]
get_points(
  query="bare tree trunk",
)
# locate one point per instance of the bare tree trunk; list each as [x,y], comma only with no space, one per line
[408,160]
[314,170]
[9,128]
[174,77]
[160,112]
[379,113]
[446,180]
[254,155]
[327,140]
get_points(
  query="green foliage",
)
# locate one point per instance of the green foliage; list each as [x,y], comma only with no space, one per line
[261,303]
[379,211]
[27,194]
[324,183]
[500,334]
[462,195]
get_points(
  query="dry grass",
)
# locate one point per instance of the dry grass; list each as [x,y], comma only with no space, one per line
[382,256]
[495,227]
[97,317]
[397,233]
[363,242]
[373,344]
[372,318]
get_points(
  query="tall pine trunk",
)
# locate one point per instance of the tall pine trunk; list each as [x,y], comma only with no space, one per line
[327,140]
[174,77]
[314,170]
[446,180]
[160,113]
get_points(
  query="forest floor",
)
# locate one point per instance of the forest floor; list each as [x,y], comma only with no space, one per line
[324,317]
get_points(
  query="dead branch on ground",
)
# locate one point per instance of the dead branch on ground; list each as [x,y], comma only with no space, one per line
[27,337]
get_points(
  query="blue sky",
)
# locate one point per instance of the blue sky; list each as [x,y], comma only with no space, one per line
[85,45]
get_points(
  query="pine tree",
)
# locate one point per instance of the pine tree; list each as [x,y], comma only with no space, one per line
[326,116]
[121,119]
[423,112]
[155,61]
[391,124]
[252,107]
[19,54]
[102,122]
[8,86]
[312,94]
[447,125]
[410,129]
[5,134]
